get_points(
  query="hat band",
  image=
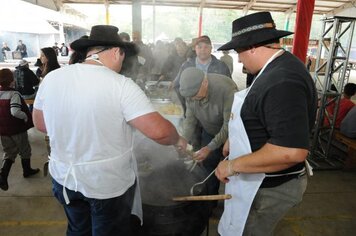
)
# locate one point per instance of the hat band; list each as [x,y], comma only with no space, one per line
[253,28]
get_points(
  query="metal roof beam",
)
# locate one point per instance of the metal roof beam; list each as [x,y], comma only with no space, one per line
[248,7]
[292,9]
[341,8]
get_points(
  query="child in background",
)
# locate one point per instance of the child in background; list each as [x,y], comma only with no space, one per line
[15,120]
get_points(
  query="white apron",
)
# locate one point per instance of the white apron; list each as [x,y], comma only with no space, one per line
[136,206]
[243,187]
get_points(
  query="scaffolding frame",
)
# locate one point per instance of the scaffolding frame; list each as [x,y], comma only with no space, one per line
[332,72]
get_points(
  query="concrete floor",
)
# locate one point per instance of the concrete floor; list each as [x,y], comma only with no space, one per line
[29,209]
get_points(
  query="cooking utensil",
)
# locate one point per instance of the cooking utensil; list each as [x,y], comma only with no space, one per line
[188,156]
[198,187]
[203,198]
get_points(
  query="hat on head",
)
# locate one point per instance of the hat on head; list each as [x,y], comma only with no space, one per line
[190,81]
[22,63]
[253,29]
[100,35]
[38,62]
[203,39]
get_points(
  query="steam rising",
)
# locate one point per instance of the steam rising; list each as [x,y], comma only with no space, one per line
[162,174]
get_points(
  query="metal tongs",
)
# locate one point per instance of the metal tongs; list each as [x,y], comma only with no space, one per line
[189,158]
[199,186]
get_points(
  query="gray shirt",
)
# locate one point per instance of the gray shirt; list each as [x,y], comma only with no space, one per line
[213,112]
[348,124]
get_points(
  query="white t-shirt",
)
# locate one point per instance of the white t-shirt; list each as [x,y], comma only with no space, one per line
[86,109]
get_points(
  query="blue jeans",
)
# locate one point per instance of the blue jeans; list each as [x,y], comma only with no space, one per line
[97,217]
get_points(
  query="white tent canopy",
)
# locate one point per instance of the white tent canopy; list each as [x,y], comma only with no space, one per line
[26,18]
[34,27]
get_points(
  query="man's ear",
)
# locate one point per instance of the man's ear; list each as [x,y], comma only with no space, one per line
[120,54]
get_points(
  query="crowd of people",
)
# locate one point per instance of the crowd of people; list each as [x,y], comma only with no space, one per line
[255,140]
[21,48]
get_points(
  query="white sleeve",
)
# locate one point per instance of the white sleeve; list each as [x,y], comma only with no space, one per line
[15,107]
[134,101]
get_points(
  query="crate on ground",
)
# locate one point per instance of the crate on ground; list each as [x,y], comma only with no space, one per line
[350,162]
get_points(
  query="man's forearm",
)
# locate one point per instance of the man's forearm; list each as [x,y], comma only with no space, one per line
[270,158]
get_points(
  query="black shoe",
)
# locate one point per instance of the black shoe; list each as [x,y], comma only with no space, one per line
[27,170]
[5,169]
[30,172]
[3,183]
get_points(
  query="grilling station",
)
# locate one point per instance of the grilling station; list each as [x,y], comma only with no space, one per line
[166,177]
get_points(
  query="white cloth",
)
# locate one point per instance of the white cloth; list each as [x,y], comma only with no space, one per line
[86,109]
[243,187]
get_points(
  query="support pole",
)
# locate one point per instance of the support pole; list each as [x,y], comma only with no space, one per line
[332,68]
[136,16]
[107,12]
[304,18]
[154,21]
[200,20]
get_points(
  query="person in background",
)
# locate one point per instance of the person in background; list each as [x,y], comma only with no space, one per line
[26,80]
[4,49]
[56,48]
[345,105]
[49,60]
[64,50]
[160,54]
[191,48]
[208,100]
[125,37]
[145,58]
[204,61]
[174,61]
[227,59]
[21,47]
[15,120]
[130,66]
[49,63]
[269,131]
[39,66]
[91,132]
[348,124]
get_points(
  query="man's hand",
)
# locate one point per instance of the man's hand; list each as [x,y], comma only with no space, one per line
[181,145]
[202,154]
[222,170]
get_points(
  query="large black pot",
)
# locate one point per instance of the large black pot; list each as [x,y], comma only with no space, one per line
[162,176]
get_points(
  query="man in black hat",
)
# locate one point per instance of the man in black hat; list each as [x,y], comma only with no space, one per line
[89,111]
[268,130]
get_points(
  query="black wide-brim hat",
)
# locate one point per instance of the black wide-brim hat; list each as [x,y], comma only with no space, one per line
[254,29]
[106,36]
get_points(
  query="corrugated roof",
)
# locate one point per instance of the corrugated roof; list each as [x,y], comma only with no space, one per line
[329,7]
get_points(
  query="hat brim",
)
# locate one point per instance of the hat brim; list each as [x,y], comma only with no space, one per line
[253,38]
[85,43]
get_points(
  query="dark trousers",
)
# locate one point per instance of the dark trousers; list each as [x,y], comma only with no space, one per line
[97,217]
[211,162]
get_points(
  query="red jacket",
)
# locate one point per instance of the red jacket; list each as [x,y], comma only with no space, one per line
[344,107]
